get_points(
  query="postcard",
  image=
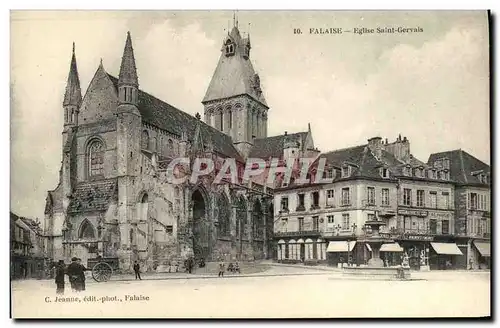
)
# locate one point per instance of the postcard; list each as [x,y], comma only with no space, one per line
[250,164]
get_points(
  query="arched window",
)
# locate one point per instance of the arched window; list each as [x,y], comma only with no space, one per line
[224,215]
[96,158]
[143,207]
[86,230]
[229,49]
[145,140]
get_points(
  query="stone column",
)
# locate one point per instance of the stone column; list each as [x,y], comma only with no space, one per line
[255,124]
[265,213]
[248,233]
[224,118]
[249,124]
[259,125]
[265,125]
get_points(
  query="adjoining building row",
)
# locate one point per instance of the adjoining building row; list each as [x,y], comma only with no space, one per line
[438,212]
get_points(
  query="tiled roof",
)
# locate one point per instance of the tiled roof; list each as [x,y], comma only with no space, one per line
[338,157]
[168,118]
[273,146]
[93,196]
[462,164]
[34,226]
[234,75]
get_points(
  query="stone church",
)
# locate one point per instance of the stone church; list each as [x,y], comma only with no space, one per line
[114,198]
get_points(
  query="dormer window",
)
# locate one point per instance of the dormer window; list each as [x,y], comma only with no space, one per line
[443,175]
[483,178]
[229,48]
[432,174]
[329,174]
[346,171]
[417,172]
[446,163]
[246,52]
[406,171]
[384,172]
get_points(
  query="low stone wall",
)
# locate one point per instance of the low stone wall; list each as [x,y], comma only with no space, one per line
[378,272]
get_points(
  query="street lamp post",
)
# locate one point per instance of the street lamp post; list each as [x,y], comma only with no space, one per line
[354,226]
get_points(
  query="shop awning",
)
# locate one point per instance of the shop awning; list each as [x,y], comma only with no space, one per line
[368,247]
[483,248]
[446,248]
[394,247]
[340,246]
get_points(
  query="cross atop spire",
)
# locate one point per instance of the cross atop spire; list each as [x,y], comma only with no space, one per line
[128,71]
[235,19]
[73,94]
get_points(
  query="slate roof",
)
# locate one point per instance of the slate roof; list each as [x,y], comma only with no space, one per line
[93,196]
[365,163]
[462,164]
[234,75]
[273,146]
[168,118]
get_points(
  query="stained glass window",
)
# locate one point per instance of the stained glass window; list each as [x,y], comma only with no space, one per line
[96,158]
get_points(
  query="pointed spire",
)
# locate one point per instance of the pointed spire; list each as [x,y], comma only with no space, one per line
[309,127]
[73,94]
[198,143]
[128,71]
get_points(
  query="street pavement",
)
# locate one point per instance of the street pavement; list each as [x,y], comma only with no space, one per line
[277,292]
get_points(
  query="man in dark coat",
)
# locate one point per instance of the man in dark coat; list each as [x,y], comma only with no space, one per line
[76,273]
[79,260]
[60,273]
[137,270]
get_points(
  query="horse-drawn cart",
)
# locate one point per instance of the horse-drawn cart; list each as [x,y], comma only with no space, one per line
[102,268]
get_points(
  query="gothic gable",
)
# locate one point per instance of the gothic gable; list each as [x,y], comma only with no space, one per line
[100,100]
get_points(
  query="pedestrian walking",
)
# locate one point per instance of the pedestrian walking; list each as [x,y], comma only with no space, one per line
[137,270]
[79,261]
[221,268]
[60,275]
[75,272]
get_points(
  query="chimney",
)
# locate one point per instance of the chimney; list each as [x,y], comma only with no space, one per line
[386,141]
[286,133]
[375,145]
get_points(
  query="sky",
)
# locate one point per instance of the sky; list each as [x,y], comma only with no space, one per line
[431,86]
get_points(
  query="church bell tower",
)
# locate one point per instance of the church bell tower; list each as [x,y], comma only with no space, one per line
[234,102]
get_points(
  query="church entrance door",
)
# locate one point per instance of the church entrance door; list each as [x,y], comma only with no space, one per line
[202,230]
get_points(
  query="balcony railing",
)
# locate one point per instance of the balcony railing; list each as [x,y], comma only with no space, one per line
[300,208]
[313,232]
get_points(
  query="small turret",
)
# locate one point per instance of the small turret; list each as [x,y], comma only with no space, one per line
[128,83]
[291,147]
[73,94]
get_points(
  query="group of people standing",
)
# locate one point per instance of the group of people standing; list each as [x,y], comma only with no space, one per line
[76,273]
